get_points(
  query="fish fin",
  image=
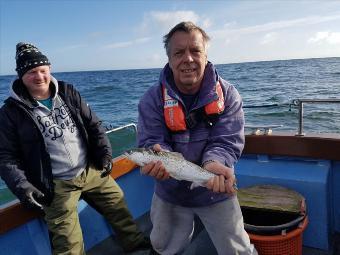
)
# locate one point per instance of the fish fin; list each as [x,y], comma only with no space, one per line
[194,185]
[177,154]
[173,154]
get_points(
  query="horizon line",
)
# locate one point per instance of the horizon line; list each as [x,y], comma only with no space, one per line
[127,69]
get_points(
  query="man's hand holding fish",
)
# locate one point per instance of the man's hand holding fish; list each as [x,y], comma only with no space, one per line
[224,181]
[162,164]
[155,168]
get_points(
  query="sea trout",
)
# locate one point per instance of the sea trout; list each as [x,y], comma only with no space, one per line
[175,164]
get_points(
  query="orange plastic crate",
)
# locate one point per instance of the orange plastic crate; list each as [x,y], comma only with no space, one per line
[288,244]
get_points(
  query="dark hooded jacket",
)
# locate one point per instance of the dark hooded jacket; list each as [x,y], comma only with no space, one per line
[24,157]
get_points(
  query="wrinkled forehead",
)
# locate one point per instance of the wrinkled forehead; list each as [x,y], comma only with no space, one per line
[182,39]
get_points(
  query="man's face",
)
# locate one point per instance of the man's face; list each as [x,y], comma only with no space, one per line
[37,81]
[187,60]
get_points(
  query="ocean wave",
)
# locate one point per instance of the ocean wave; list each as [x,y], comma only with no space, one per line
[114,95]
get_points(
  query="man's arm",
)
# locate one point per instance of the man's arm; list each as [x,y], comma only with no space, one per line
[151,125]
[152,131]
[224,181]
[225,144]
[10,168]
[98,141]
[226,140]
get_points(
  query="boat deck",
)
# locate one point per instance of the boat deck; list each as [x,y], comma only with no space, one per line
[201,244]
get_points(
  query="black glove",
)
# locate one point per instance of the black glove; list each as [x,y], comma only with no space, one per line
[106,170]
[29,196]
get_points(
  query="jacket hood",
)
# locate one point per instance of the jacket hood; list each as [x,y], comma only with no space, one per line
[19,92]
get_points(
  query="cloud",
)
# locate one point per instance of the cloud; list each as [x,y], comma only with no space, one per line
[311,20]
[269,38]
[163,21]
[119,45]
[274,26]
[156,59]
[142,40]
[128,43]
[206,23]
[95,35]
[230,25]
[325,36]
[168,19]
[227,41]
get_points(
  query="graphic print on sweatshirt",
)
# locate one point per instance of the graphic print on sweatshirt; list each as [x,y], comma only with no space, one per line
[63,141]
[56,122]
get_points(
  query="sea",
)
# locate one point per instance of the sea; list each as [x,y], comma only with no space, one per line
[268,89]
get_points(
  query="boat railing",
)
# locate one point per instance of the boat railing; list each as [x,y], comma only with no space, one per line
[264,129]
[300,103]
[110,129]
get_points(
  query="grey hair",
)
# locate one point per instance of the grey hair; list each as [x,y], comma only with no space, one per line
[185,26]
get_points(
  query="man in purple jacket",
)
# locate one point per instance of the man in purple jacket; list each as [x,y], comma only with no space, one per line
[192,110]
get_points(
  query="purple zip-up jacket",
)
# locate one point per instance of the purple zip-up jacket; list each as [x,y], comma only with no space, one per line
[222,142]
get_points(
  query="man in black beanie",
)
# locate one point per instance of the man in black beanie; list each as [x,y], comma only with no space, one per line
[53,150]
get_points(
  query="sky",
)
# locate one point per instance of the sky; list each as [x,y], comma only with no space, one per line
[114,35]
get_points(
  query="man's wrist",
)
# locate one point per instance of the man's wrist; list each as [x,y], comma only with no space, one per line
[208,162]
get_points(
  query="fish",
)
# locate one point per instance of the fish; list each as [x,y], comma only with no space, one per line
[175,164]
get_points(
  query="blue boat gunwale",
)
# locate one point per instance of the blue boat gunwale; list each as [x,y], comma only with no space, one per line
[315,146]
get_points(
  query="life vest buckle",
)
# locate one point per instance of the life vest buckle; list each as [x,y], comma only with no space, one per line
[190,120]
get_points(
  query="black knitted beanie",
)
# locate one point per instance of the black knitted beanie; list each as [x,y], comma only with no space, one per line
[27,57]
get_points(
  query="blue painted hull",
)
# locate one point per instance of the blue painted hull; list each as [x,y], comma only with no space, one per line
[311,178]
[316,180]
[32,237]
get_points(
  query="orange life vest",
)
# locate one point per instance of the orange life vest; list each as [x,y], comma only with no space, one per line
[174,115]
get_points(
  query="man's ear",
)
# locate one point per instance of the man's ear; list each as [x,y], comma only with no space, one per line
[169,63]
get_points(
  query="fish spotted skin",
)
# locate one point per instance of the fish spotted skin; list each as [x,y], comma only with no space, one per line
[175,164]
